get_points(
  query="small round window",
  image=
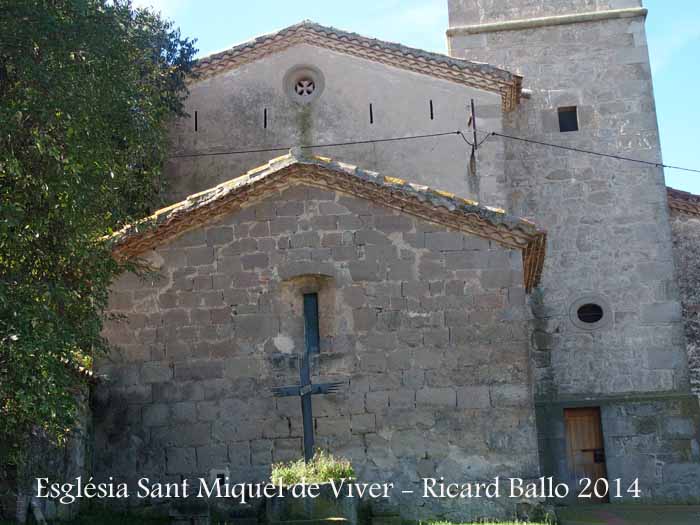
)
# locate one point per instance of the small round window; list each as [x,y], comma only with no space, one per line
[590,312]
[303,84]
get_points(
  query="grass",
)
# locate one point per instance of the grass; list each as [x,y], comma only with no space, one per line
[322,468]
[487,523]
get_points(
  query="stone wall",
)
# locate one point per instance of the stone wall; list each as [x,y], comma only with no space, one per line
[426,329]
[686,250]
[231,108]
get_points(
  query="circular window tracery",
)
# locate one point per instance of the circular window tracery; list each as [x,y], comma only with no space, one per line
[303,84]
[305,87]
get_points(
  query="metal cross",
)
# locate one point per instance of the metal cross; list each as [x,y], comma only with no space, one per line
[306,389]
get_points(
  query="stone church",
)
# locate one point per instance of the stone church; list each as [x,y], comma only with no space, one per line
[531,311]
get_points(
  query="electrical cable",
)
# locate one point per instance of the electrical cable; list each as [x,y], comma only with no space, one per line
[489,134]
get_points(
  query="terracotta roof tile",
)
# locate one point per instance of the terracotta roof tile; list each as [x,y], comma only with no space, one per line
[683,202]
[415,199]
[473,74]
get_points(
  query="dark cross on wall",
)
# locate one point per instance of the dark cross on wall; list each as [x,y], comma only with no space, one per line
[305,389]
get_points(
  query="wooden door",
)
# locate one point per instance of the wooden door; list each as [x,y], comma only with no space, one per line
[584,441]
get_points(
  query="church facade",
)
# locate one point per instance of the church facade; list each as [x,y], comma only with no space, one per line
[528,312]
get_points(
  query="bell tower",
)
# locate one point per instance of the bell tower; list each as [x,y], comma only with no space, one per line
[607,339]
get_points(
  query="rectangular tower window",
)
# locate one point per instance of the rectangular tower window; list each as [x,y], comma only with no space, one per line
[568,119]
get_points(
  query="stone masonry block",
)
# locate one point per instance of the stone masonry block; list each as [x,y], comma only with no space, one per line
[371,237]
[255,326]
[363,423]
[373,361]
[332,208]
[393,223]
[156,372]
[467,260]
[170,392]
[446,397]
[375,401]
[680,427]
[198,370]
[444,241]
[200,256]
[212,456]
[289,208]
[276,427]
[239,453]
[181,460]
[365,270]
[661,313]
[155,415]
[333,426]
[191,434]
[242,367]
[286,449]
[510,396]
[403,398]
[183,412]
[219,235]
[261,452]
[255,260]
[473,397]
[414,289]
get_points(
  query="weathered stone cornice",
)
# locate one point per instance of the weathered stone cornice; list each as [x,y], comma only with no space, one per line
[532,23]
[584,400]
[419,201]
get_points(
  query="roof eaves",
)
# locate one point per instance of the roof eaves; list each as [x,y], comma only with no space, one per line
[414,199]
[683,202]
[475,74]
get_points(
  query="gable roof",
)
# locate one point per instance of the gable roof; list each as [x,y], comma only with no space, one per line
[473,74]
[420,201]
[683,202]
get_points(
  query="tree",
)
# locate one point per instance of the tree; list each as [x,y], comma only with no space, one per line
[86,90]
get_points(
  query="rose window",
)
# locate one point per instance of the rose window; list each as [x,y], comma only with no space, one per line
[305,87]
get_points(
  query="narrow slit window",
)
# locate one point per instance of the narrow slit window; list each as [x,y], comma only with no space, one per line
[195,121]
[432,111]
[568,119]
[265,118]
[311,325]
[371,115]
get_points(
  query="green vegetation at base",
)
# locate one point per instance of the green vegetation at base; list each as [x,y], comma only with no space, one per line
[486,523]
[322,468]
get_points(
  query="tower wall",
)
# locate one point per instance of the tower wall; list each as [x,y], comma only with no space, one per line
[609,239]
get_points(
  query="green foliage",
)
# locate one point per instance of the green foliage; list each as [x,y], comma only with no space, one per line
[86,88]
[322,468]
